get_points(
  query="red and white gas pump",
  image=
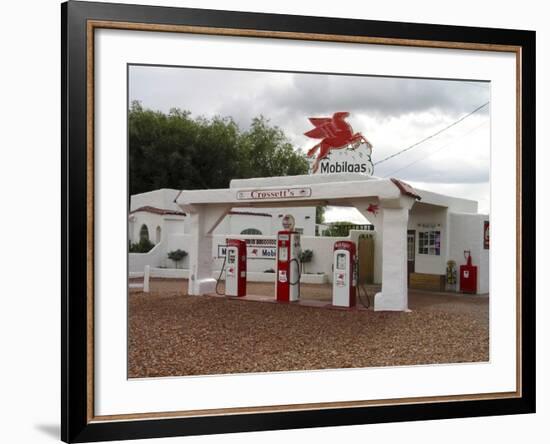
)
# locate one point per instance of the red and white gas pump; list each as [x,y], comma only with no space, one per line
[287,285]
[468,275]
[344,278]
[235,268]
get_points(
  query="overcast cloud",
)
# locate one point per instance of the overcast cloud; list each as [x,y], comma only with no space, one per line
[393,113]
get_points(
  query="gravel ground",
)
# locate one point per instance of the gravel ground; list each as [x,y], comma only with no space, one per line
[171,334]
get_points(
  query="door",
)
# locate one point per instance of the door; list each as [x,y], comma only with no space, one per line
[365,257]
[411,245]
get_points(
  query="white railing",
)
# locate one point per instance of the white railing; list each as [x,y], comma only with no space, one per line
[144,285]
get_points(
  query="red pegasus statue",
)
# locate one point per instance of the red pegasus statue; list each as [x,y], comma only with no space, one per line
[335,133]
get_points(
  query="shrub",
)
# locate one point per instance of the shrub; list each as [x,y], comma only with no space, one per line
[177,256]
[305,257]
[143,246]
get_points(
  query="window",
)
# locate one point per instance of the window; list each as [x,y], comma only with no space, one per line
[158,235]
[251,231]
[410,246]
[429,242]
[341,261]
[143,233]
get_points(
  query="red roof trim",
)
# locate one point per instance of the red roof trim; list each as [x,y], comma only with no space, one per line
[405,188]
[249,213]
[154,210]
[162,212]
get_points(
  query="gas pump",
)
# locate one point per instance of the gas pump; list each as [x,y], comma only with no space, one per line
[287,287]
[344,278]
[468,275]
[235,268]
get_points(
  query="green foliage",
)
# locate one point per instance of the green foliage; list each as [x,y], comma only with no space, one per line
[265,152]
[177,151]
[177,256]
[338,229]
[306,256]
[251,231]
[320,214]
[143,246]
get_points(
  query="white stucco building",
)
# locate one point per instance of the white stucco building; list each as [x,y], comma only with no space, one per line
[418,234]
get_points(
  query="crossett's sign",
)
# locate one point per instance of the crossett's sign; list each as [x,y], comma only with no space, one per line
[281,193]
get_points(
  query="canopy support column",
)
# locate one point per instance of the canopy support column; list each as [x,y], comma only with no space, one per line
[202,221]
[394,294]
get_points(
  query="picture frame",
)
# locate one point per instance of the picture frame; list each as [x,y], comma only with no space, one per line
[80,20]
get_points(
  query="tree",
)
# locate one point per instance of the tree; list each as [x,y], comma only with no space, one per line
[177,256]
[266,152]
[338,229]
[320,214]
[177,151]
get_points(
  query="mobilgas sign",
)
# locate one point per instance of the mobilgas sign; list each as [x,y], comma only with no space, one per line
[345,167]
[348,160]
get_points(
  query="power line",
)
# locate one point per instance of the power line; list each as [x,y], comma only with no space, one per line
[436,151]
[456,122]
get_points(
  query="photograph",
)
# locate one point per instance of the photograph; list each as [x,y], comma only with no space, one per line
[285,221]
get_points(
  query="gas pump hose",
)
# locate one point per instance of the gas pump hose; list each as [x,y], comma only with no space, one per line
[220,277]
[297,282]
[362,287]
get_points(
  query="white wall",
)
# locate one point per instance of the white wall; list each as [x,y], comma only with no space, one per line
[153,258]
[429,215]
[322,248]
[269,222]
[162,198]
[467,234]
[240,222]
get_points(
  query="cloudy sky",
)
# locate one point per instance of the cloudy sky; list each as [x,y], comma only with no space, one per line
[392,113]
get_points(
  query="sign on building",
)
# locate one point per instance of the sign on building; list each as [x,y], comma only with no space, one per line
[340,150]
[256,248]
[279,193]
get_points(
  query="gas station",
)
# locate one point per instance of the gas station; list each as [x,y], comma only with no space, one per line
[419,252]
[393,199]
[419,236]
